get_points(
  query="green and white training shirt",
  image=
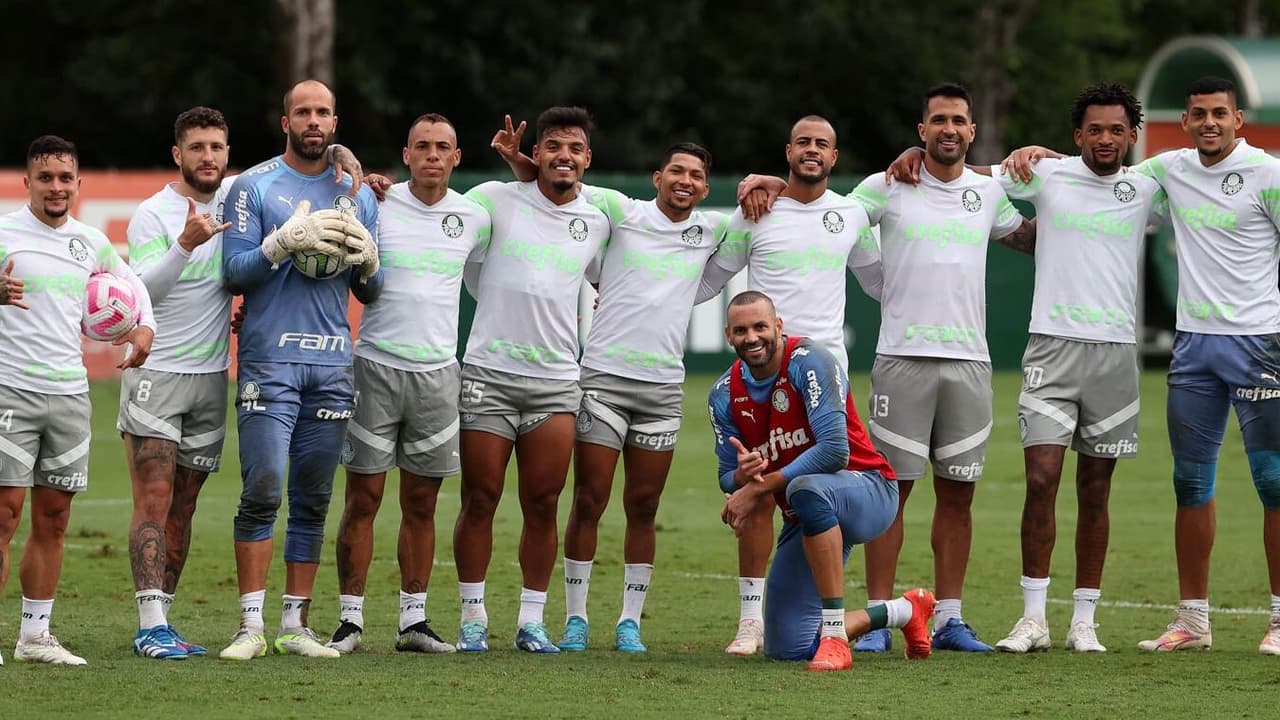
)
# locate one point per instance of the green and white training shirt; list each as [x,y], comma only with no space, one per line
[1225,220]
[648,282]
[933,241]
[192,306]
[40,348]
[526,319]
[1089,238]
[797,255]
[422,249]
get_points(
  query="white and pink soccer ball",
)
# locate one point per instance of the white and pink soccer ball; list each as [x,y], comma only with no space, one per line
[110,308]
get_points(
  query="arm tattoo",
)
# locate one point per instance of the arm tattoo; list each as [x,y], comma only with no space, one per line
[1023,239]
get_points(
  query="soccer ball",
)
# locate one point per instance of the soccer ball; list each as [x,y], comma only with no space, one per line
[316,264]
[110,308]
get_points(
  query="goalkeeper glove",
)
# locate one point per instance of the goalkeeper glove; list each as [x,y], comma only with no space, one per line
[321,231]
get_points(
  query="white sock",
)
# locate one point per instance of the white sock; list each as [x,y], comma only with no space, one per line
[251,611]
[532,603]
[166,602]
[1197,611]
[1275,604]
[833,622]
[1086,603]
[751,599]
[291,611]
[35,618]
[472,598]
[944,611]
[635,586]
[577,580]
[413,608]
[351,609]
[1035,592]
[150,608]
[900,611]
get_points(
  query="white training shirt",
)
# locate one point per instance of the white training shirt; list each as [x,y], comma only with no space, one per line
[192,306]
[933,241]
[526,320]
[1089,237]
[423,249]
[1225,228]
[40,348]
[797,255]
[647,286]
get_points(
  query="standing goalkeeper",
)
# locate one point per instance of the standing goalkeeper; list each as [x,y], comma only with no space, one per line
[294,362]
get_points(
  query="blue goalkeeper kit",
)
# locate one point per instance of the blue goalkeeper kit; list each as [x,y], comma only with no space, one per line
[294,361]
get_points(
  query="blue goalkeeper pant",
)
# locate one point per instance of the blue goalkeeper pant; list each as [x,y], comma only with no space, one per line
[864,505]
[295,414]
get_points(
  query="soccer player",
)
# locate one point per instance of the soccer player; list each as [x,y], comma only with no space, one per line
[173,408]
[797,254]
[295,379]
[520,371]
[407,380]
[1080,369]
[785,426]
[632,371]
[1222,197]
[931,380]
[47,257]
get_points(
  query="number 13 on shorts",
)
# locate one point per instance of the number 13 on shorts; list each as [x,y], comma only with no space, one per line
[879,406]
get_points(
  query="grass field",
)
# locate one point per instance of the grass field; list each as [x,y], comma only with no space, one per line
[689,617]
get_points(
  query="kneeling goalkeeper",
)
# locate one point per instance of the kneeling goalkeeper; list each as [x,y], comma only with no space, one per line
[785,425]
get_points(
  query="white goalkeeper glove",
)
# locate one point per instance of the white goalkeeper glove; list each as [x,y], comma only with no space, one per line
[359,250]
[321,231]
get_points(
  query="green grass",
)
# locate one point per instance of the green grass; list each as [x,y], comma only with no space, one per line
[689,617]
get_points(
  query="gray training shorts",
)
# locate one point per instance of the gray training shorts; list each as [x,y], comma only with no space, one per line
[1080,393]
[44,439]
[510,405]
[616,410]
[404,419]
[931,408]
[184,408]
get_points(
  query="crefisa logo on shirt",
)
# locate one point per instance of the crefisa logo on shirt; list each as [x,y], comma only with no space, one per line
[452,225]
[971,200]
[832,221]
[781,402]
[1125,191]
[578,229]
[344,202]
[77,248]
[1232,183]
[692,235]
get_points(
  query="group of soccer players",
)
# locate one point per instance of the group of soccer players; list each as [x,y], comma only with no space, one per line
[787,434]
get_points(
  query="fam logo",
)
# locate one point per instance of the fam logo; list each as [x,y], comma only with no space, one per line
[77,249]
[781,402]
[452,225]
[344,202]
[692,235]
[250,392]
[1232,183]
[578,229]
[832,221]
[1125,191]
[971,200]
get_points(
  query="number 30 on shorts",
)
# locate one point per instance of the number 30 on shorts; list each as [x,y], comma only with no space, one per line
[1032,376]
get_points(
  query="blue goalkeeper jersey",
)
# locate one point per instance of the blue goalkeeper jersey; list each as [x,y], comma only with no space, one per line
[290,317]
